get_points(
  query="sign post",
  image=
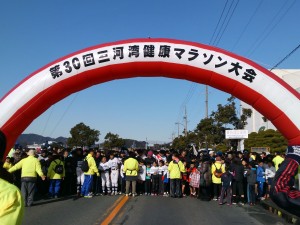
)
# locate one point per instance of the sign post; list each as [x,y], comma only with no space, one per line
[237,135]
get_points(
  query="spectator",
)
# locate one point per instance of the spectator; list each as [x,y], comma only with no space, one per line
[88,176]
[56,176]
[12,203]
[251,181]
[162,169]
[148,180]
[194,179]
[141,178]
[260,178]
[175,169]
[131,167]
[79,173]
[237,170]
[105,179]
[154,178]
[8,163]
[216,170]
[277,160]
[270,174]
[30,168]
[205,179]
[226,180]
[114,172]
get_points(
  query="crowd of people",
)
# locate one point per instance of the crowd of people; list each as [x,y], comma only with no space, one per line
[229,178]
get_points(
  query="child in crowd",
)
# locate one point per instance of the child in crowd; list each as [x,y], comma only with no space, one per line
[154,177]
[194,179]
[251,181]
[166,178]
[161,172]
[105,178]
[123,176]
[260,178]
[270,174]
[148,180]
[113,163]
[141,178]
[184,180]
[226,179]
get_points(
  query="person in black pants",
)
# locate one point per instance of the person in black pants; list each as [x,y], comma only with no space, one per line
[175,168]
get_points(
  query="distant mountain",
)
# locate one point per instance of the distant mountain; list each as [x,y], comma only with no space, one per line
[29,139]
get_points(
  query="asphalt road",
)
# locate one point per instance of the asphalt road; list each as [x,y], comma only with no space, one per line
[145,210]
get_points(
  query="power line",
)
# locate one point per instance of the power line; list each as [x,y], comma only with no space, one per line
[286,57]
[228,21]
[219,21]
[63,115]
[270,27]
[247,25]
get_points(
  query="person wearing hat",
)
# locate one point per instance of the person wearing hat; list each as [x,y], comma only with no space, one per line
[30,168]
[150,159]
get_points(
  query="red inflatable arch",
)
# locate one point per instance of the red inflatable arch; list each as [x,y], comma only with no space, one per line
[255,85]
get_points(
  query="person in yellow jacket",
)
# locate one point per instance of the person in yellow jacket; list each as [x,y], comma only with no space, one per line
[131,168]
[175,168]
[217,169]
[11,204]
[88,176]
[8,163]
[11,201]
[277,160]
[30,168]
[56,173]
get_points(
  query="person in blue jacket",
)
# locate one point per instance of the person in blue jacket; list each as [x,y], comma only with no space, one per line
[261,180]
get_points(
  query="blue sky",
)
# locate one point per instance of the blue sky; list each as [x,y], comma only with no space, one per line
[34,33]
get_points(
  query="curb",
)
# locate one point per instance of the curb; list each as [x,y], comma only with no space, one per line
[273,208]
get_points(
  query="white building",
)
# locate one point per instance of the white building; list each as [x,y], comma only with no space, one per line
[256,122]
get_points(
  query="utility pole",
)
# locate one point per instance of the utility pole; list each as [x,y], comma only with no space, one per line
[206,101]
[178,128]
[185,123]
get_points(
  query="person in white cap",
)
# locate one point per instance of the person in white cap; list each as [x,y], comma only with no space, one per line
[30,166]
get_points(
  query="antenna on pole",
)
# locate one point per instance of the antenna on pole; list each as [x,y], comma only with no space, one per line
[185,122]
[206,101]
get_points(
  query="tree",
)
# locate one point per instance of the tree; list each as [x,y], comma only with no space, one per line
[113,141]
[82,135]
[211,130]
[268,138]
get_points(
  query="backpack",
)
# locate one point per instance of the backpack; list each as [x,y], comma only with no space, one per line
[85,166]
[218,172]
[59,169]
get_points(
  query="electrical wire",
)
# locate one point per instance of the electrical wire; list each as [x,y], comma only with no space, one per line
[270,27]
[63,115]
[286,57]
[247,25]
[210,42]
[228,21]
